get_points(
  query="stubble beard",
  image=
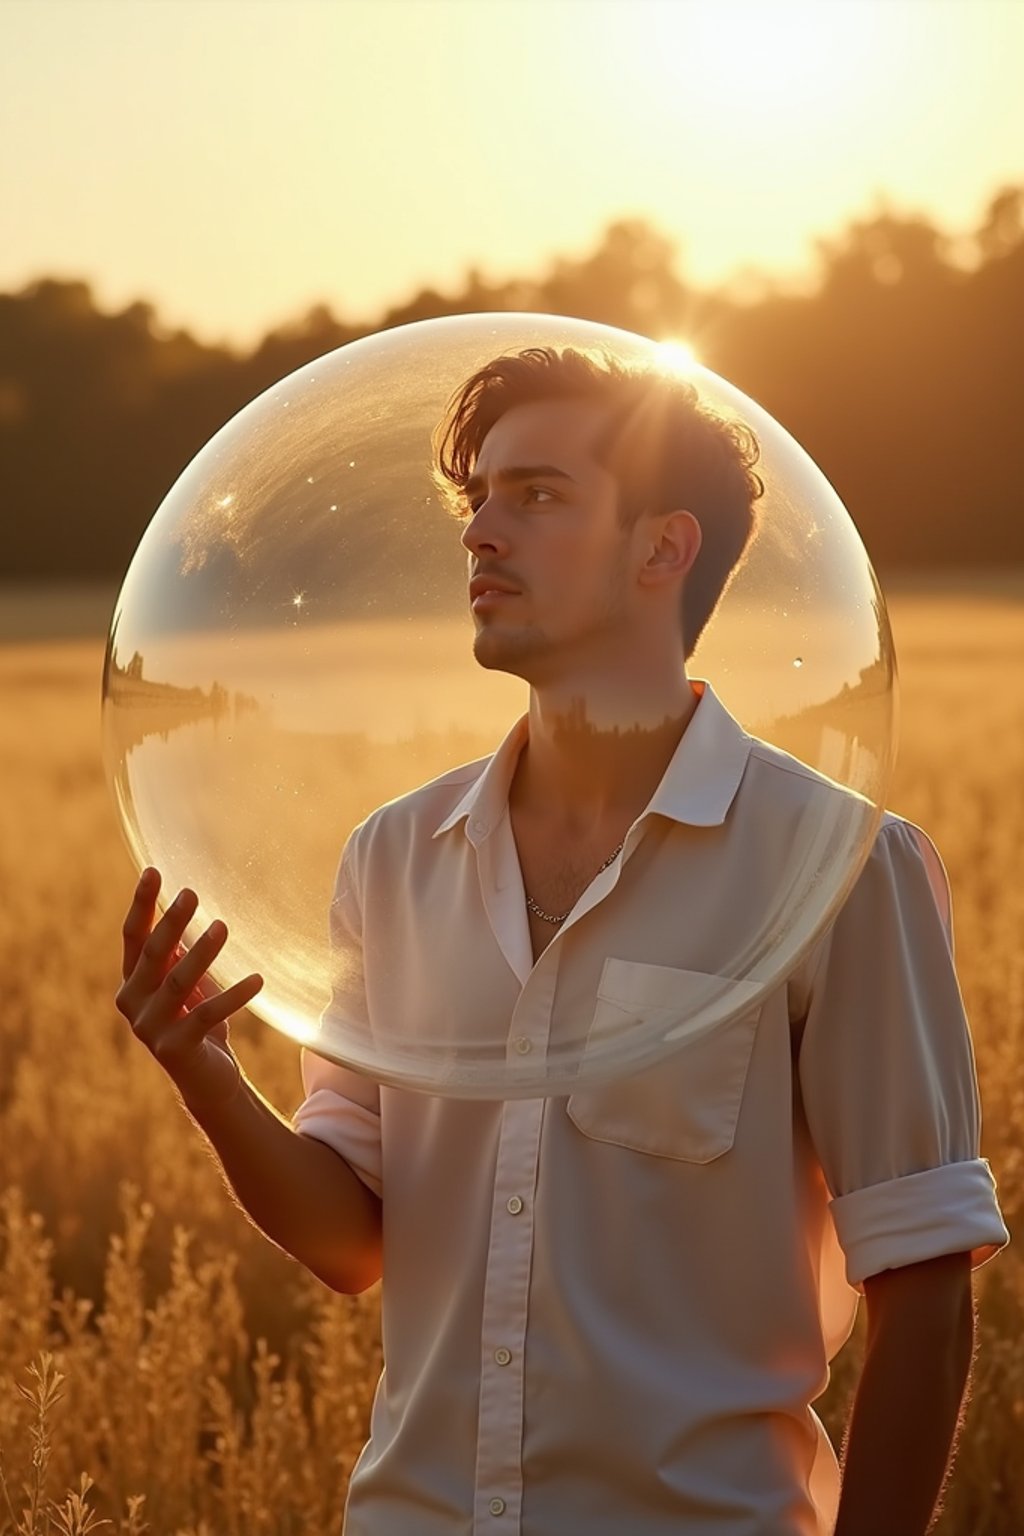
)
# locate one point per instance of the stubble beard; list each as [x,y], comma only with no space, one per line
[503,650]
[522,651]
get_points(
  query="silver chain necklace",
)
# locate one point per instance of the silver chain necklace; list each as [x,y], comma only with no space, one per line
[547,916]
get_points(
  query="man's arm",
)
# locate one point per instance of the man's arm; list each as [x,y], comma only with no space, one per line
[297,1190]
[907,1406]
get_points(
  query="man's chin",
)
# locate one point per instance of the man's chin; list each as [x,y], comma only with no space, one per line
[502,653]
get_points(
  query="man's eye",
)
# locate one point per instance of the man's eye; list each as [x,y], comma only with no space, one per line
[535,491]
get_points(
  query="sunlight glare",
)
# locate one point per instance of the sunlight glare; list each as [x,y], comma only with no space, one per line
[678,356]
[763,69]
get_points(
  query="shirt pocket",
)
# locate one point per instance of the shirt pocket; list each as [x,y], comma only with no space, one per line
[687,1105]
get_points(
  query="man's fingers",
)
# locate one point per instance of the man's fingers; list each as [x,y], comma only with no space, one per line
[183,983]
[139,921]
[211,1014]
[168,995]
[153,1003]
[157,951]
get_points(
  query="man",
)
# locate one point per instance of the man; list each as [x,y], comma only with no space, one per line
[607,1314]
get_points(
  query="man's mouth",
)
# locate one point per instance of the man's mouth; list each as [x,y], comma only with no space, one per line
[485,589]
[491,597]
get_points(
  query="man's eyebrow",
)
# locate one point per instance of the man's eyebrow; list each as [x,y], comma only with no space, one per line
[517,472]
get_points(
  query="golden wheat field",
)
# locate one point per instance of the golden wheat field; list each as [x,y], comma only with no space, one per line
[163,1368]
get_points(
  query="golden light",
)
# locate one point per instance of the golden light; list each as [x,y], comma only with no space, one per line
[769,51]
[678,356]
[784,76]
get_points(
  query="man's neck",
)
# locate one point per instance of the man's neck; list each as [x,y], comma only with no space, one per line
[586,764]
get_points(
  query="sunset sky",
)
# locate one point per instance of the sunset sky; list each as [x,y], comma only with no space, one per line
[236,161]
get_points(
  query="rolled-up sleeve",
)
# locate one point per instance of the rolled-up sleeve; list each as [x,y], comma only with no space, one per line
[341,1107]
[887,1072]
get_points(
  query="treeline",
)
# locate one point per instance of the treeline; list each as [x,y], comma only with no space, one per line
[901,373]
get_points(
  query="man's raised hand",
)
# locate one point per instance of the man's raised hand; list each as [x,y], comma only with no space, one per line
[170,1002]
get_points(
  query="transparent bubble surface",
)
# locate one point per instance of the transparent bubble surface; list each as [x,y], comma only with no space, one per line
[292,648]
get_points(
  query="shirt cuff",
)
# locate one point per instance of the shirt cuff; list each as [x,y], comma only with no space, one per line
[350,1129]
[920,1216]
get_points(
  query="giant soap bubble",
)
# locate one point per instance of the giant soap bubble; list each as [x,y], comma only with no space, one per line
[292,648]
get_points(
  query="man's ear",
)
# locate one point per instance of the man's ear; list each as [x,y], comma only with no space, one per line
[673,545]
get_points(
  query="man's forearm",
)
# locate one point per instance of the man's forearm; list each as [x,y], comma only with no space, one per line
[905,1415]
[298,1191]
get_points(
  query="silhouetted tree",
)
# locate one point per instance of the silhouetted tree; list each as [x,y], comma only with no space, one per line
[900,373]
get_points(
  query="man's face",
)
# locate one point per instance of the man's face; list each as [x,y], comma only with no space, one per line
[545,524]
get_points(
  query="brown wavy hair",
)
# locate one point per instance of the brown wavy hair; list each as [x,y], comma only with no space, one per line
[666,448]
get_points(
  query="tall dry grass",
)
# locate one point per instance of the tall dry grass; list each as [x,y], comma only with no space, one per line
[165,1369]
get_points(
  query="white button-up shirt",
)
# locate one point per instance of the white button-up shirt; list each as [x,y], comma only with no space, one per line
[608,1314]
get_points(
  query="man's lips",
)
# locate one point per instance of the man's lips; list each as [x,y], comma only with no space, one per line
[491,598]
[482,586]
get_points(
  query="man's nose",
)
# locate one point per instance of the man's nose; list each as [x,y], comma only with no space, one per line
[483,531]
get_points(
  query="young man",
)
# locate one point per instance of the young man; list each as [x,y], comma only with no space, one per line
[608,1314]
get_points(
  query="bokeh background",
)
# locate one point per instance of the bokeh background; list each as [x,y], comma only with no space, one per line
[823,200]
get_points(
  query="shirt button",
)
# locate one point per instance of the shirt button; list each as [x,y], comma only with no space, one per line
[497,1506]
[503,1356]
[514,1205]
[523,1046]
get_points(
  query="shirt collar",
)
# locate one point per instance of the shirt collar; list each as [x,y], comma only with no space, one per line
[697,788]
